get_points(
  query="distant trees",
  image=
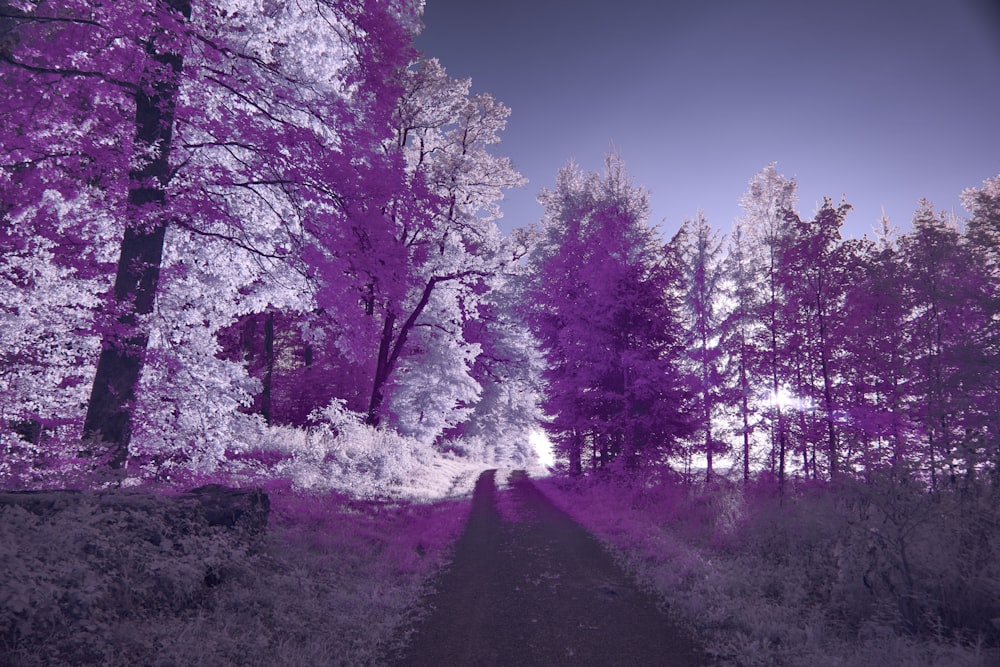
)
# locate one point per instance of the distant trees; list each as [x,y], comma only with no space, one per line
[871,351]
[859,356]
[599,300]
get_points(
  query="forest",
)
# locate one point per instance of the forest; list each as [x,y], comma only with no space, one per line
[256,243]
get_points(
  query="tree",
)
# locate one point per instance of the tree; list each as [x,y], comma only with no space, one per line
[441,234]
[700,253]
[983,236]
[599,301]
[767,200]
[813,281]
[123,348]
[984,226]
[738,336]
[90,82]
[213,124]
[949,313]
[876,351]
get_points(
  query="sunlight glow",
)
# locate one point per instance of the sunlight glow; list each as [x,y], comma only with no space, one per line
[543,447]
[786,399]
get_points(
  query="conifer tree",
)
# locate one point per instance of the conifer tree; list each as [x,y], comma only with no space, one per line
[813,282]
[601,303]
[769,197]
[700,253]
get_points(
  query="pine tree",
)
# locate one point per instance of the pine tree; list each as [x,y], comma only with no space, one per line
[700,251]
[813,282]
[738,336]
[600,304]
[769,198]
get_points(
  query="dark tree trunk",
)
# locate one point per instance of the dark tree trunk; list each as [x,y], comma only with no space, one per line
[267,384]
[745,408]
[381,370]
[391,345]
[108,421]
[576,458]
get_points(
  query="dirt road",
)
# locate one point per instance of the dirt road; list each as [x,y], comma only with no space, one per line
[531,587]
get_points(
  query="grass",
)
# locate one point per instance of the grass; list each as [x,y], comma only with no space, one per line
[331,582]
[814,580]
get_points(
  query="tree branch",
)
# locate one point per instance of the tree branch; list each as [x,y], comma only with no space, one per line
[69,72]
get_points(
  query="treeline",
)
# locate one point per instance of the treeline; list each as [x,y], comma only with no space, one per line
[220,217]
[781,346]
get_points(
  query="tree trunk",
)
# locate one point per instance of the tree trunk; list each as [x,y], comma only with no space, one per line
[576,456]
[391,346]
[745,408]
[108,421]
[381,371]
[267,384]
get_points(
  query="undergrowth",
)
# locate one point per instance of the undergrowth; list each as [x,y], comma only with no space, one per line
[330,582]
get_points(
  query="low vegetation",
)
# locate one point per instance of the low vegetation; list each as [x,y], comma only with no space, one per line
[881,574]
[331,581]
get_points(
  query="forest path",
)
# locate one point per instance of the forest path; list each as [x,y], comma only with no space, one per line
[529,586]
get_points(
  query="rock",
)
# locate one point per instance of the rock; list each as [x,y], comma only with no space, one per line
[247,509]
[241,509]
[41,503]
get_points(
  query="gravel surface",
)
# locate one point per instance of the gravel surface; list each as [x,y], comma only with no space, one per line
[529,586]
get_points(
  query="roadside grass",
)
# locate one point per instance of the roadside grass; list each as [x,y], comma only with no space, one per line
[361,521]
[331,582]
[862,577]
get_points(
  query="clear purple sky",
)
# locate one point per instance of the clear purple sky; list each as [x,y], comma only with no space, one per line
[885,101]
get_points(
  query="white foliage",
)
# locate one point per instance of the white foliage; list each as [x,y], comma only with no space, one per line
[47,308]
[433,390]
[189,399]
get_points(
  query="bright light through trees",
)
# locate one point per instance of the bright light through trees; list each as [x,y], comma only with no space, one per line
[543,448]
[785,399]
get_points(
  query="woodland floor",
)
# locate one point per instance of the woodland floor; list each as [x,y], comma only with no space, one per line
[529,586]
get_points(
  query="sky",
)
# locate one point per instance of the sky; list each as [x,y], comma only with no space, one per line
[881,101]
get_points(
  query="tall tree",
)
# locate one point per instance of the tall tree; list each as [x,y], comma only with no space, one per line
[813,282]
[933,266]
[600,302]
[983,235]
[108,419]
[876,352]
[765,204]
[737,331]
[952,334]
[442,234]
[700,252]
